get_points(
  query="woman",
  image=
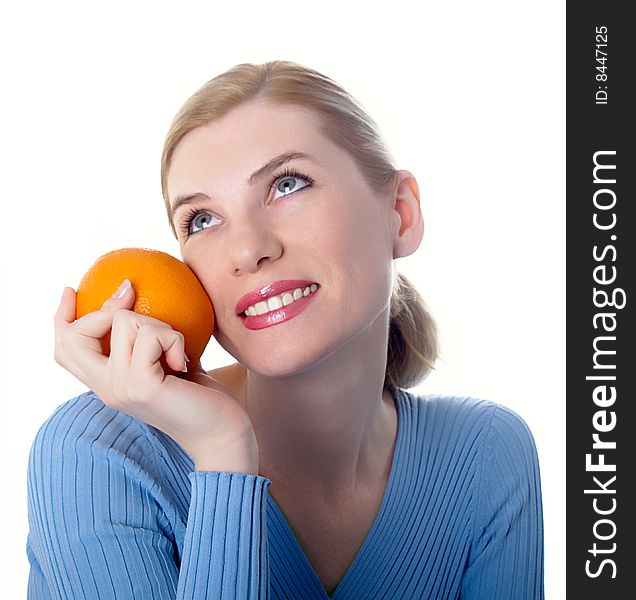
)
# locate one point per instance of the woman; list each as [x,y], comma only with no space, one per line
[305,469]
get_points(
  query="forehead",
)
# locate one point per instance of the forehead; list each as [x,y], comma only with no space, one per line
[246,138]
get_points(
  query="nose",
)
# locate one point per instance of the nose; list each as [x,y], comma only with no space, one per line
[253,243]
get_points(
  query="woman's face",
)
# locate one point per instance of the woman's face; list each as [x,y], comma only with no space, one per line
[311,218]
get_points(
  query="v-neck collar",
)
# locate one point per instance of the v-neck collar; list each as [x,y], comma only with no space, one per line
[281,547]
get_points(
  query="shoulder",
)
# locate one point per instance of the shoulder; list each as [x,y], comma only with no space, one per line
[87,418]
[96,462]
[83,433]
[98,486]
[463,409]
[490,425]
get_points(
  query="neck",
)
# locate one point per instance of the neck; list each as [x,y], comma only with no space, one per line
[330,429]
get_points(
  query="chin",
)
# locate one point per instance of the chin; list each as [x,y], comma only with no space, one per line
[279,361]
[289,357]
[287,363]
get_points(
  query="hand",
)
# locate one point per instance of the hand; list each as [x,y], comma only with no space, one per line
[194,409]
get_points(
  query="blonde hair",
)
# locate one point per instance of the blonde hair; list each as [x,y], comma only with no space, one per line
[412,348]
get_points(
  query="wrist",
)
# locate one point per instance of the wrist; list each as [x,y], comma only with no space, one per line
[236,458]
[216,466]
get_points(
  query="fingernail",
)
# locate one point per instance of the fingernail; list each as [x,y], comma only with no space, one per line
[186,360]
[122,289]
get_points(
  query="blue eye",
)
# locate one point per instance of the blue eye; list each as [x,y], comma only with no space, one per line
[289,182]
[196,220]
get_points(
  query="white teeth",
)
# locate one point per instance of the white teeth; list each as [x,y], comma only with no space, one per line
[276,302]
[261,308]
[288,298]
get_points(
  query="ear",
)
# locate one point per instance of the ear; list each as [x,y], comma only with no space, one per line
[409,222]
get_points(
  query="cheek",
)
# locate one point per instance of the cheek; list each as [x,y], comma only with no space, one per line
[208,274]
[360,237]
[361,254]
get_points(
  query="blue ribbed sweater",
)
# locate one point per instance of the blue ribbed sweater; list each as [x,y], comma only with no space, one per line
[117,511]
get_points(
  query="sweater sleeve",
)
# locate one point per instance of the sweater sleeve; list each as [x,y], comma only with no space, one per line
[99,526]
[506,558]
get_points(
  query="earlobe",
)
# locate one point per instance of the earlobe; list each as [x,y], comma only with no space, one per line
[411,221]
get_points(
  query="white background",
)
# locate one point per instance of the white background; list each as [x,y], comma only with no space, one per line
[470,97]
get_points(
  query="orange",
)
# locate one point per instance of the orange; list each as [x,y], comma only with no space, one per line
[165,288]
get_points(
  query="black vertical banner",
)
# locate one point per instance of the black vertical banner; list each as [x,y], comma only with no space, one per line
[601,337]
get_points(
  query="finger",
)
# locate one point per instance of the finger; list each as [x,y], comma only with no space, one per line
[98,323]
[64,315]
[65,312]
[87,361]
[151,344]
[66,350]
[123,297]
[125,329]
[93,365]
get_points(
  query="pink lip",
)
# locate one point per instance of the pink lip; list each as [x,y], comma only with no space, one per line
[272,289]
[279,315]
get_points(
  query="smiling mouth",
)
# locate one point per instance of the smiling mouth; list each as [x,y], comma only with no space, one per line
[275,302]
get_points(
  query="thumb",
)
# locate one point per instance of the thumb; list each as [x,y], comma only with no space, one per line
[123,297]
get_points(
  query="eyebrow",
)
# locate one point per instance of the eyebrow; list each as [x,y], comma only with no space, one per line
[254,178]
